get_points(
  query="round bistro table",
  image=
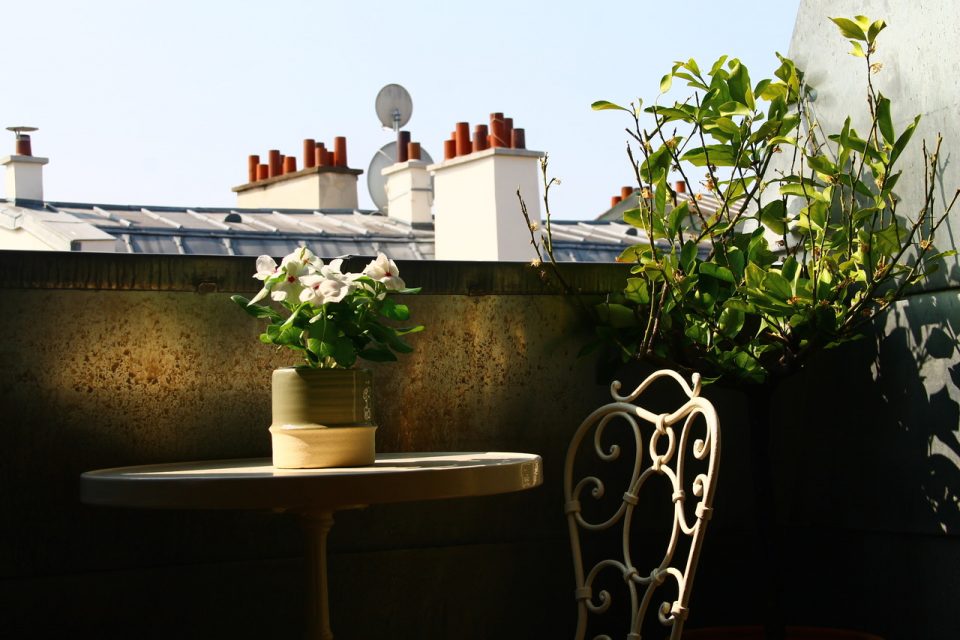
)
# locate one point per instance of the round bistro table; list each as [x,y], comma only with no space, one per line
[313,494]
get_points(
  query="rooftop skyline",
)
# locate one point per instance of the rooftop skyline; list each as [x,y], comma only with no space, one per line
[161,105]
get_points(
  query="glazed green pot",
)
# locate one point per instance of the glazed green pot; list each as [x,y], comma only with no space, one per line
[322,418]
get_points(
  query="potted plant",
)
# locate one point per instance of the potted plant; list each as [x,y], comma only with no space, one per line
[807,244]
[323,408]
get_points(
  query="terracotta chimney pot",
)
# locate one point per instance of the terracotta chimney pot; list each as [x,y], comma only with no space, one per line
[340,151]
[497,137]
[274,162]
[680,186]
[518,139]
[615,200]
[403,141]
[413,150]
[626,192]
[290,164]
[449,149]
[508,132]
[263,171]
[22,146]
[481,140]
[309,153]
[462,138]
[253,163]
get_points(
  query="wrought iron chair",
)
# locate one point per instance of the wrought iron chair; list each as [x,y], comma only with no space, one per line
[665,455]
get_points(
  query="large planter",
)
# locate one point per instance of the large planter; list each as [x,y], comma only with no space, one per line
[322,418]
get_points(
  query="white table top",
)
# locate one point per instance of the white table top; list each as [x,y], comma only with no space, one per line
[256,484]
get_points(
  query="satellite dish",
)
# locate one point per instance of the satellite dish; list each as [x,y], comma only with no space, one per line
[377,182]
[394,106]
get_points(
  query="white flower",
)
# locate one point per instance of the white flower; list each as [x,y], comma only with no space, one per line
[305,257]
[283,282]
[321,289]
[384,270]
[266,267]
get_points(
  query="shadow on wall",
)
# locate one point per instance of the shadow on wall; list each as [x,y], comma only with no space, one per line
[923,398]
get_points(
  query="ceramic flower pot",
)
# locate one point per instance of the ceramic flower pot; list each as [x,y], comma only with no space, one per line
[322,418]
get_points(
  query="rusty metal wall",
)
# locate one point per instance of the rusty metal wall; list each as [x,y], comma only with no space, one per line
[120,360]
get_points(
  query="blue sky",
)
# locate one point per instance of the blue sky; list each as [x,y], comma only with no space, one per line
[160,103]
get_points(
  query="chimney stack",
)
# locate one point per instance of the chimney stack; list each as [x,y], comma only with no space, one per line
[324,182]
[476,210]
[24,173]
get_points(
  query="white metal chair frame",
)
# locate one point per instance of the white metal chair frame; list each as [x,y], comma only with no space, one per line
[669,463]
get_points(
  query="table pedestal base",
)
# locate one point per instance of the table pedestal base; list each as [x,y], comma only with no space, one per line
[316,526]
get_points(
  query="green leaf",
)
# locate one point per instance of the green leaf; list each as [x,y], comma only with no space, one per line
[666,82]
[256,310]
[774,216]
[802,190]
[616,315]
[739,83]
[688,256]
[874,30]
[718,65]
[754,276]
[602,105]
[857,50]
[884,121]
[676,216]
[850,29]
[717,271]
[394,311]
[636,218]
[734,108]
[637,291]
[730,322]
[822,165]
[903,140]
[718,154]
[739,305]
[887,241]
[634,253]
[777,286]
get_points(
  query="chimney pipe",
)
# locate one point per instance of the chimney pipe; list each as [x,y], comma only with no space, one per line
[403,140]
[615,200]
[519,139]
[481,140]
[263,171]
[680,186]
[449,149]
[497,138]
[252,163]
[274,162]
[508,132]
[413,150]
[23,145]
[340,151]
[309,153]
[463,139]
[290,164]
[626,192]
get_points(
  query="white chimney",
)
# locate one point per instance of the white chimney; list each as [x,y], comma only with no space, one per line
[409,195]
[476,210]
[24,173]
